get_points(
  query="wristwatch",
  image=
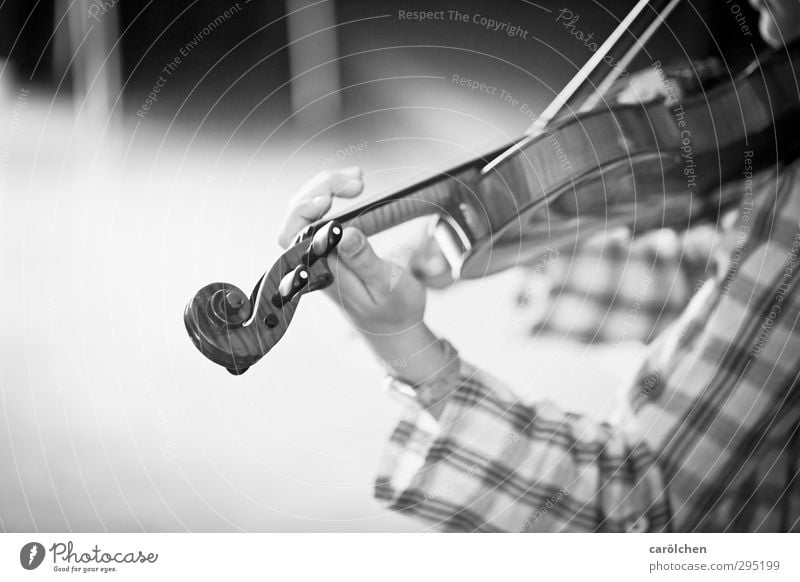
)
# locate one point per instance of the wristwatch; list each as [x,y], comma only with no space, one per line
[435,388]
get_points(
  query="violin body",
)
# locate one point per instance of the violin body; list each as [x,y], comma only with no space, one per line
[643,166]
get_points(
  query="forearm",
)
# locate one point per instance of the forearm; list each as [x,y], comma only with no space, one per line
[492,463]
[417,357]
[413,355]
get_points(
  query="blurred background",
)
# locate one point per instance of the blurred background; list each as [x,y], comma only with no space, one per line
[150,148]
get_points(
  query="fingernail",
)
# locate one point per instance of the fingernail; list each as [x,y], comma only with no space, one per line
[318,201]
[352,241]
[352,171]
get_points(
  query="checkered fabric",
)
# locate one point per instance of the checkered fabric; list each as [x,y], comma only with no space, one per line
[611,288]
[614,289]
[708,438]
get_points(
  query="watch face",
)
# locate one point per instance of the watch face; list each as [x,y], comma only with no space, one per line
[433,390]
[400,390]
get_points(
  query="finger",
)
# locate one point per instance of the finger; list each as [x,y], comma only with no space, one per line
[358,255]
[345,183]
[642,88]
[347,288]
[301,215]
[315,199]
[433,279]
[429,265]
[636,93]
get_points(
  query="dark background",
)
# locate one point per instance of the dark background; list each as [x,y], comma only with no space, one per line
[234,59]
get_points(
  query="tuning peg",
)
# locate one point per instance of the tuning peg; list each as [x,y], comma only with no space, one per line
[229,306]
[235,299]
[290,285]
[320,276]
[324,241]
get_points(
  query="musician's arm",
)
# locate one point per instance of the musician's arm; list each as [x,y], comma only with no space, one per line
[492,463]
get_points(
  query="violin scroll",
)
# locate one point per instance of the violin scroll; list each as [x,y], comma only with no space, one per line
[234,330]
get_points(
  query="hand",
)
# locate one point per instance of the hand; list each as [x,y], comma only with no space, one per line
[382,298]
[646,85]
[779,21]
[428,264]
[672,84]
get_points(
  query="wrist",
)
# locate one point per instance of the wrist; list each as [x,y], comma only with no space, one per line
[413,355]
[431,384]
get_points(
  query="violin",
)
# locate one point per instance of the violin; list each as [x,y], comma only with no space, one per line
[643,166]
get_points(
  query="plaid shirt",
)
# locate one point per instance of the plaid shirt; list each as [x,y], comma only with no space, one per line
[612,289]
[708,438]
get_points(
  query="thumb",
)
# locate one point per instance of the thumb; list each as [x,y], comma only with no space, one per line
[358,255]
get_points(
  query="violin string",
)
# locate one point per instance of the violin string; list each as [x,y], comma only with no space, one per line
[577,82]
[625,61]
[539,126]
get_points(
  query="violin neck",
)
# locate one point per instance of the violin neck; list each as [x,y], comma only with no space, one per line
[438,194]
[433,196]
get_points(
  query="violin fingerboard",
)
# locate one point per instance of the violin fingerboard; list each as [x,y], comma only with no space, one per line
[441,197]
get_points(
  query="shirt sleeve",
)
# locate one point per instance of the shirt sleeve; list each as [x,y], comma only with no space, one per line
[491,463]
[614,288]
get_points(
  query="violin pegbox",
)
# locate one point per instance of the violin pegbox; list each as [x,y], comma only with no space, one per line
[323,241]
[235,331]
